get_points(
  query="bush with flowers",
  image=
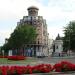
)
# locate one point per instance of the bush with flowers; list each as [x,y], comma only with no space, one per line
[63,66]
[19,70]
[16,57]
[3,56]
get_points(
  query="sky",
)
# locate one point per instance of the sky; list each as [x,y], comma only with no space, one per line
[58,13]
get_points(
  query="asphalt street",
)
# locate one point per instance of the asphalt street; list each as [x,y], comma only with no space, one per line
[53,60]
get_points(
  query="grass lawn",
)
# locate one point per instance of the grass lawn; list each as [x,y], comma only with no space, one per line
[26,61]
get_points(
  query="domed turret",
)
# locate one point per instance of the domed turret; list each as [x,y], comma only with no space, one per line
[32,11]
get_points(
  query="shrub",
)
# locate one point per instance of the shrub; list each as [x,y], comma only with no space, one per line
[18,70]
[16,57]
[64,66]
[3,56]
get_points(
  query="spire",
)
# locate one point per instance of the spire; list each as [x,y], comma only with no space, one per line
[58,37]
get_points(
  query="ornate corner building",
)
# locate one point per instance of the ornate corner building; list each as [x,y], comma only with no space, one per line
[40,47]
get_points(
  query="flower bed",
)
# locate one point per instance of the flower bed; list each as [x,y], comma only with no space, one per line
[58,68]
[64,66]
[19,70]
[16,57]
[3,56]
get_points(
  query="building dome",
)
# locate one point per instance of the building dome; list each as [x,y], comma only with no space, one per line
[33,7]
[33,11]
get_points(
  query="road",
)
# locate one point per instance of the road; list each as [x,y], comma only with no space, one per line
[54,60]
[49,60]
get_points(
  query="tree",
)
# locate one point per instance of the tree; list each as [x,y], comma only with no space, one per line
[69,38]
[23,34]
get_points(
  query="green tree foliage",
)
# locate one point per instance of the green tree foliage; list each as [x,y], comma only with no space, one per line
[23,34]
[69,38]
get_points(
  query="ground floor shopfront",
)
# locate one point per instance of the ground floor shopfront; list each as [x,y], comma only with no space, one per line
[31,50]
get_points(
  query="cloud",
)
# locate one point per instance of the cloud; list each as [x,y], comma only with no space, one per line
[54,31]
[59,13]
[56,12]
[62,8]
[11,11]
[4,34]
